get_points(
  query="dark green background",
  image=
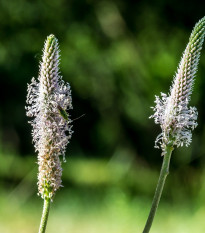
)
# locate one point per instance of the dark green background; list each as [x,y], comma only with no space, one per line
[116,55]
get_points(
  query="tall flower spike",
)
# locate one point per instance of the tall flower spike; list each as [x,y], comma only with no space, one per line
[47,98]
[172,112]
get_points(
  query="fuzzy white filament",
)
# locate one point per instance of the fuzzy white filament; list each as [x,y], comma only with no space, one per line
[47,98]
[171,111]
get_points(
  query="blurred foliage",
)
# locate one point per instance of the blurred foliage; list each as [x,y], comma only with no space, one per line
[117,55]
[100,196]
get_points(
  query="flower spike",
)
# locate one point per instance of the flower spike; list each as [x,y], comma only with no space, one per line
[171,111]
[47,98]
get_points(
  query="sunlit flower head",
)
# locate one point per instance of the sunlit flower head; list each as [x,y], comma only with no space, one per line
[171,112]
[48,97]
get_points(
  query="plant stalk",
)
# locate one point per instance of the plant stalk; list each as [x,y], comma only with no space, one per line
[44,218]
[160,185]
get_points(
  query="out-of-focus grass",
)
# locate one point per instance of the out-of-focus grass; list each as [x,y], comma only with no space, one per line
[99,196]
[115,214]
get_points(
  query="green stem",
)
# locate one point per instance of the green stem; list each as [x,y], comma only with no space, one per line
[163,174]
[44,218]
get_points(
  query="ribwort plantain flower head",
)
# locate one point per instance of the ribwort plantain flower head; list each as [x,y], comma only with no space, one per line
[47,98]
[171,112]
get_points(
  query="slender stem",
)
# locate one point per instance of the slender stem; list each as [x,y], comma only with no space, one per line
[44,218]
[160,185]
